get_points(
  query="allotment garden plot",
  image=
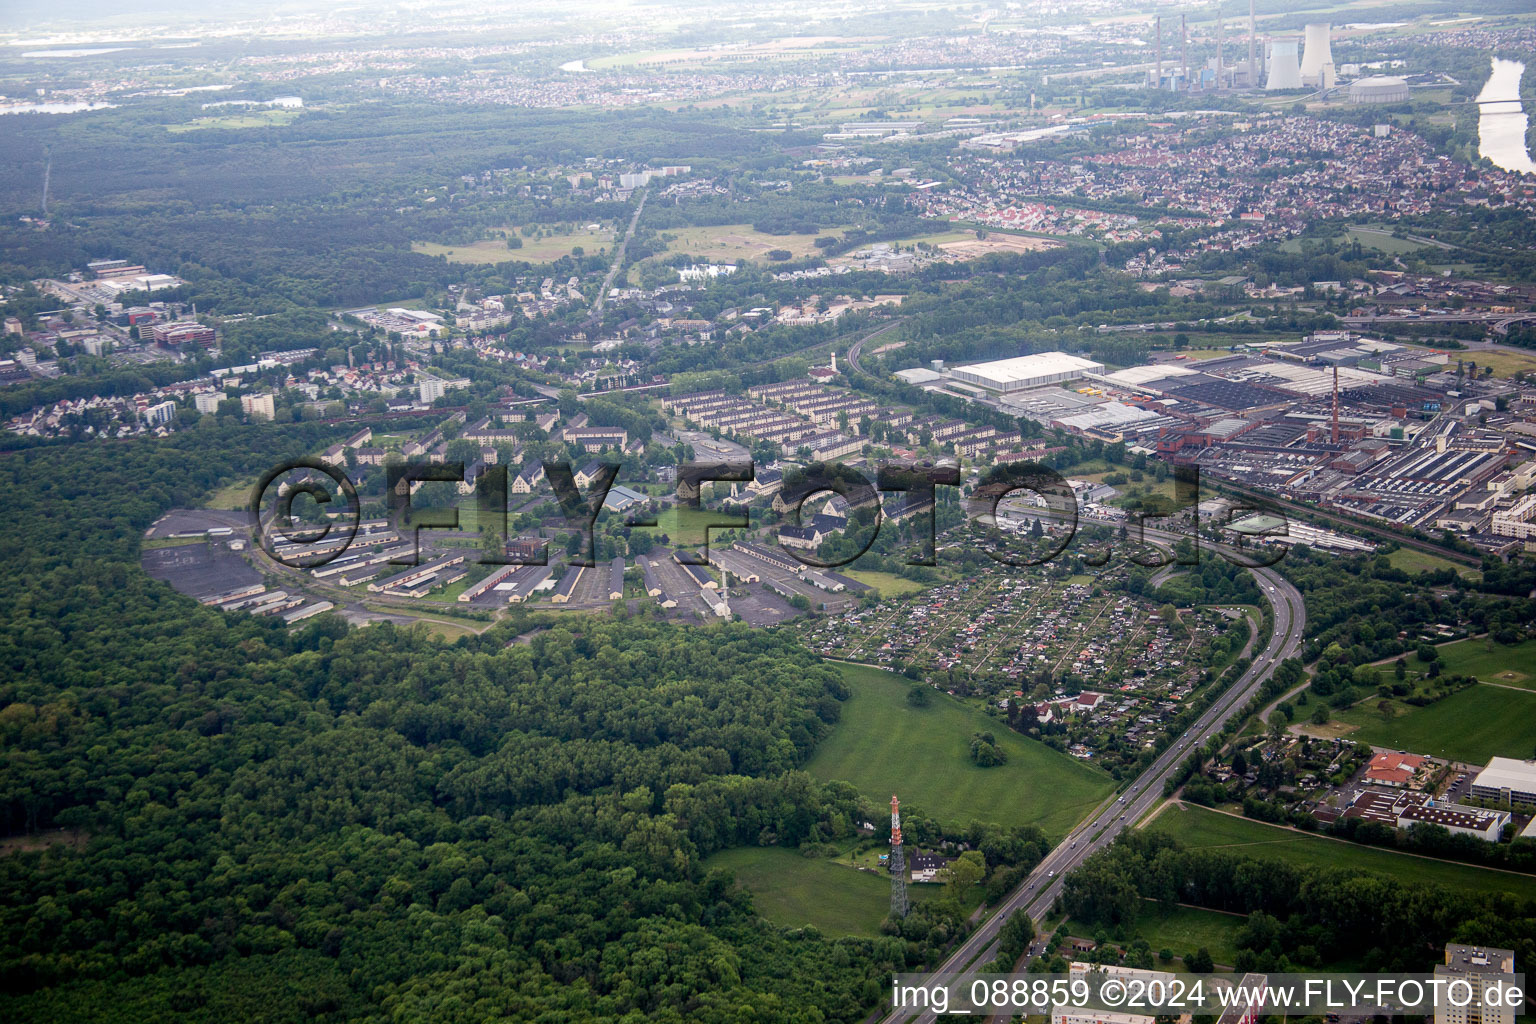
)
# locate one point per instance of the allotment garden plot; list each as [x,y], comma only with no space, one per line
[1080,662]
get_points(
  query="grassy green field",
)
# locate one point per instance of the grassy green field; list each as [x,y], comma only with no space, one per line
[793,891]
[1513,665]
[883,746]
[1186,929]
[1183,930]
[684,526]
[1470,725]
[247,117]
[887,583]
[152,543]
[232,496]
[725,243]
[1504,364]
[1203,829]
[1412,560]
[533,250]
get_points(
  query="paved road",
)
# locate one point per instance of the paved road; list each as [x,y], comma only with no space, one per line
[1501,322]
[1040,889]
[618,258]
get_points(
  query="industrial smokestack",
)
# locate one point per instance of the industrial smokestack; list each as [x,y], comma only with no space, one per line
[1284,65]
[1253,38]
[1157,42]
[1317,57]
[1218,48]
[1184,51]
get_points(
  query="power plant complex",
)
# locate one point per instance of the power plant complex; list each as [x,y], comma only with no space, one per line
[1284,62]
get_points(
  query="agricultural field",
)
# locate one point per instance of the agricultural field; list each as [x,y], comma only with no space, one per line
[1470,725]
[793,891]
[883,746]
[1199,828]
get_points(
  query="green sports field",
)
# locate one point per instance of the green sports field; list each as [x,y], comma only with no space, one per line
[1470,725]
[793,891]
[1203,829]
[883,746]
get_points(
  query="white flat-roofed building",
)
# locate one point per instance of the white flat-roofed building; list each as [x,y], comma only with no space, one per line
[1077,968]
[1022,372]
[1083,1015]
[919,375]
[1507,779]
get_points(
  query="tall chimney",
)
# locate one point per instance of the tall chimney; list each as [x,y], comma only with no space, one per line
[1184,51]
[1253,38]
[1157,35]
[1335,403]
[1218,47]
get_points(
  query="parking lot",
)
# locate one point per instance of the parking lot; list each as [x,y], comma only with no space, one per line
[199,569]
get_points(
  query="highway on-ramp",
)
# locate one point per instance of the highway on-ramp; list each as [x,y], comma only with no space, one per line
[1039,891]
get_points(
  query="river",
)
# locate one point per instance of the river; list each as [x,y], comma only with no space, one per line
[1502,119]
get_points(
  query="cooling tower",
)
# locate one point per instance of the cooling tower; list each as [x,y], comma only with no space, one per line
[1316,58]
[1284,68]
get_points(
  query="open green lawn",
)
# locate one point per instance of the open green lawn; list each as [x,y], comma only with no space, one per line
[685,527]
[152,543]
[1203,829]
[883,746]
[726,243]
[1513,665]
[235,495]
[1186,929]
[1470,725]
[793,891]
[887,583]
[1183,930]
[1413,560]
[533,250]
[1503,364]
[239,117]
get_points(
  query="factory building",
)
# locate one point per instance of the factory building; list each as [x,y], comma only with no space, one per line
[1023,372]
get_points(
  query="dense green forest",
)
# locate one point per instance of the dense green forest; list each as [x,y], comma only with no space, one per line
[366,824]
[1299,918]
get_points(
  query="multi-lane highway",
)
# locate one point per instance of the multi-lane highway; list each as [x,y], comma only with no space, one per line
[1044,884]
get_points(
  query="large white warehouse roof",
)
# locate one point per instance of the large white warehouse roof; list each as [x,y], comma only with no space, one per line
[1508,773]
[1027,371]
